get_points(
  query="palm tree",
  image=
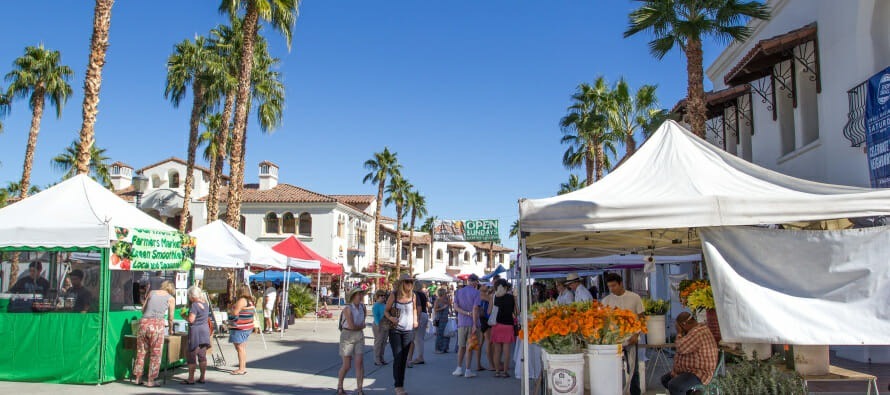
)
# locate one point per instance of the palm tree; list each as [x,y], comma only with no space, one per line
[93,81]
[213,125]
[282,15]
[14,190]
[383,166]
[586,130]
[416,204]
[514,229]
[226,42]
[191,63]
[572,185]
[631,111]
[398,190]
[99,167]
[4,107]
[683,24]
[38,75]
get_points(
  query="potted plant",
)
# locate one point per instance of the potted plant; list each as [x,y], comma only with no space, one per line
[655,310]
[760,377]
[605,329]
[702,299]
[557,329]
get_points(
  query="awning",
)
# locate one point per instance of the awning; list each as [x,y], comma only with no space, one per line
[759,61]
[278,277]
[296,249]
[457,247]
[717,101]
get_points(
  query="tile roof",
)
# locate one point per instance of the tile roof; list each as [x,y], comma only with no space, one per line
[758,62]
[419,237]
[457,246]
[360,202]
[486,246]
[180,161]
[266,162]
[281,193]
[121,164]
[128,193]
[716,99]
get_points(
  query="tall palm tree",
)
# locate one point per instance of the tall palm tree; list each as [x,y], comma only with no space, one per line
[428,224]
[514,229]
[416,205]
[226,42]
[208,139]
[381,167]
[397,192]
[38,75]
[99,166]
[572,185]
[93,81]
[683,24]
[14,190]
[631,111]
[586,130]
[192,63]
[4,107]
[282,15]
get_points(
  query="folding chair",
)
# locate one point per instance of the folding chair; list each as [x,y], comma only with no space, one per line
[713,388]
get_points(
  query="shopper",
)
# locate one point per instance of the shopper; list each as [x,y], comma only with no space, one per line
[486,294]
[352,339]
[404,321]
[621,298]
[441,311]
[151,331]
[466,305]
[502,335]
[573,282]
[380,336]
[423,318]
[565,294]
[199,334]
[241,319]
[269,297]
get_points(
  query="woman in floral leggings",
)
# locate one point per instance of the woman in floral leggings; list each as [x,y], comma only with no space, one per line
[152,331]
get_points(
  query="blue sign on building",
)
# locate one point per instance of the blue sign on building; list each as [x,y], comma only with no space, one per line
[877,126]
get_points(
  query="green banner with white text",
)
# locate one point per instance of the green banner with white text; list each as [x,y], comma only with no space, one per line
[144,249]
[471,230]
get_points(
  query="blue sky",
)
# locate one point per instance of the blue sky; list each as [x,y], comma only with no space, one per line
[468,93]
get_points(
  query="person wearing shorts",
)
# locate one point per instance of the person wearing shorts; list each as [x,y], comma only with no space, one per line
[352,339]
[466,305]
[269,297]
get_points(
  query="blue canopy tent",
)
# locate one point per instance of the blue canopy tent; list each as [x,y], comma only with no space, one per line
[500,269]
[278,277]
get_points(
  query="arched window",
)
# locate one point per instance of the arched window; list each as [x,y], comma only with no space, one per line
[305,224]
[466,256]
[155,181]
[272,224]
[438,255]
[288,223]
[242,224]
[174,179]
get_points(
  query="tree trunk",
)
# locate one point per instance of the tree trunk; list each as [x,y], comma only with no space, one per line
[411,242]
[378,228]
[37,115]
[221,141]
[92,82]
[589,165]
[398,240]
[194,122]
[696,107]
[599,157]
[236,166]
[630,144]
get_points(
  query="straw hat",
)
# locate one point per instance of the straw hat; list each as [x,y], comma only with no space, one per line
[406,277]
[352,292]
[572,277]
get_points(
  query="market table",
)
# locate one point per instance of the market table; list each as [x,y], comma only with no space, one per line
[839,374]
[175,346]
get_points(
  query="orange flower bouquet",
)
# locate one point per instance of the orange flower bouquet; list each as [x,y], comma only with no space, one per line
[688,287]
[604,325]
[556,328]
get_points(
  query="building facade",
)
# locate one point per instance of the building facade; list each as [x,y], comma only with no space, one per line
[452,258]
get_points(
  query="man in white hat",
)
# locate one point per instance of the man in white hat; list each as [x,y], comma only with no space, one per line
[573,281]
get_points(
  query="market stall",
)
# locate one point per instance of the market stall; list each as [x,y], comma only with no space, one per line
[80,342]
[435,275]
[675,185]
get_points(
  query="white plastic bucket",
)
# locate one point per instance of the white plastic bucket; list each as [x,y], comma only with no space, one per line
[605,370]
[811,360]
[566,374]
[763,350]
[655,328]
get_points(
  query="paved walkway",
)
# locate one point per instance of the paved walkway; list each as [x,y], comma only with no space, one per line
[304,362]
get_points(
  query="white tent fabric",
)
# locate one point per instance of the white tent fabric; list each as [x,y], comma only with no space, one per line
[77,212]
[800,287]
[677,181]
[606,261]
[434,275]
[167,202]
[220,245]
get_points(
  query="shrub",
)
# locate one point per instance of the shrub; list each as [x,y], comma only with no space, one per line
[760,378]
[302,300]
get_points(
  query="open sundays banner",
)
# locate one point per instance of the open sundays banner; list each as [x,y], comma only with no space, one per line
[144,249]
[466,230]
[877,126]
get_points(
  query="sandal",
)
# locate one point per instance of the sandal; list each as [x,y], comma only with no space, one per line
[186,382]
[340,391]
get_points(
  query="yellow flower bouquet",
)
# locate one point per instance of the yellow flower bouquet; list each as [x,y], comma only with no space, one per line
[604,325]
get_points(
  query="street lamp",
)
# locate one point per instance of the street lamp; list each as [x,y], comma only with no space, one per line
[140,183]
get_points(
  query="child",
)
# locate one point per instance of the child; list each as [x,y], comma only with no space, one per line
[379,336]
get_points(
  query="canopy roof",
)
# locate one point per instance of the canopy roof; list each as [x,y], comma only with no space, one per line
[278,277]
[221,245]
[434,275]
[498,270]
[674,183]
[567,265]
[76,213]
[295,248]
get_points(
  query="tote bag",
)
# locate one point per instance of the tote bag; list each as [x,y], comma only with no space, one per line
[493,317]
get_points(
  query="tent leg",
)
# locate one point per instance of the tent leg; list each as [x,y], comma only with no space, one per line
[523,306]
[283,311]
[317,293]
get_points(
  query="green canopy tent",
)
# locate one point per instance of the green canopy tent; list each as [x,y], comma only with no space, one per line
[53,344]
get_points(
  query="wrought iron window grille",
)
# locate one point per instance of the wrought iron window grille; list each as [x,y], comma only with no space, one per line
[854,130]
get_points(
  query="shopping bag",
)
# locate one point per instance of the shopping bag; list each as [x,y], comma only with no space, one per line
[451,328]
[430,332]
[493,318]
[473,342]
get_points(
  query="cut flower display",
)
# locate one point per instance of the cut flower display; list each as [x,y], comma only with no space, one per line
[567,329]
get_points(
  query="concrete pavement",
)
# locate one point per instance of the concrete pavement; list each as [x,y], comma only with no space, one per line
[302,362]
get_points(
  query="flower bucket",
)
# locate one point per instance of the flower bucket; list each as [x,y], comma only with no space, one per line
[565,374]
[655,330]
[811,360]
[762,350]
[605,371]
[714,324]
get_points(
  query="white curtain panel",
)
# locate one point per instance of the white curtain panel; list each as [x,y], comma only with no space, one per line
[800,287]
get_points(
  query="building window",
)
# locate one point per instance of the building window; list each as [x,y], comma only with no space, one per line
[418,254]
[242,224]
[341,225]
[272,224]
[264,169]
[174,179]
[288,223]
[807,105]
[155,181]
[438,255]
[305,224]
[404,253]
[479,257]
[466,256]
[501,258]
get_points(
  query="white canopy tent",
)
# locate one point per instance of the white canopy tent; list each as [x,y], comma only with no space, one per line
[77,212]
[434,275]
[675,183]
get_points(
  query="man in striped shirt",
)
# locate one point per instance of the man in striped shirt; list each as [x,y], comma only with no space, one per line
[696,358]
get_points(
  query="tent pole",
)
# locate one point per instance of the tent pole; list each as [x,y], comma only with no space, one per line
[523,306]
[317,293]
[283,311]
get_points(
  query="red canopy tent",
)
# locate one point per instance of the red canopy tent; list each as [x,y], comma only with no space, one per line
[294,248]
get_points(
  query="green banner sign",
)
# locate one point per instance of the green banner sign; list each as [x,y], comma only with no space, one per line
[143,249]
[473,230]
